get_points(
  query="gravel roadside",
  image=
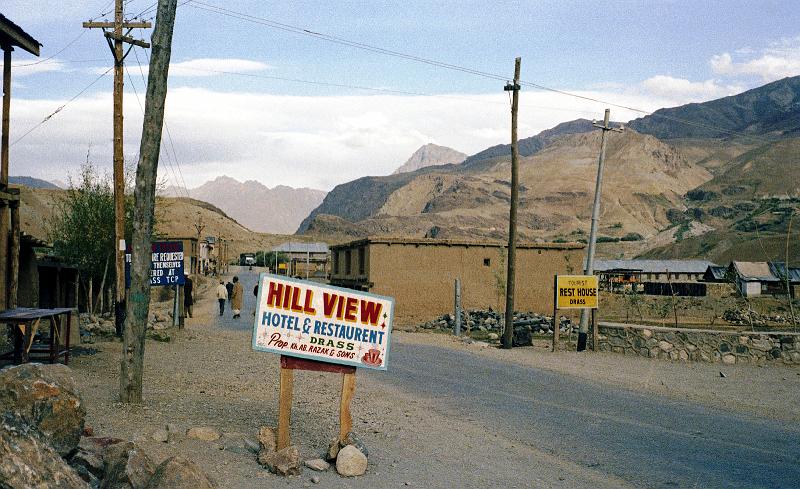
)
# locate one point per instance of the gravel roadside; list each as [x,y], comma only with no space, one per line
[209,376]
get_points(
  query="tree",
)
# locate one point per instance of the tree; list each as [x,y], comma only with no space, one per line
[82,229]
[270,258]
[138,304]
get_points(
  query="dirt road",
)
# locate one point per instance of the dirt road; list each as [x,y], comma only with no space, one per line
[452,415]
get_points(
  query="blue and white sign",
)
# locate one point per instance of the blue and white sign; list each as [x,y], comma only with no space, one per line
[166,264]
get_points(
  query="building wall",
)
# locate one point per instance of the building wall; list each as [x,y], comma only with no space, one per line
[749,289]
[421,277]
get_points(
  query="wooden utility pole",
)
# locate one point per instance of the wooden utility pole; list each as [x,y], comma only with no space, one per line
[119,161]
[508,333]
[199,226]
[138,308]
[584,325]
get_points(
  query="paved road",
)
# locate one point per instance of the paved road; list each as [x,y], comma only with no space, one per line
[647,440]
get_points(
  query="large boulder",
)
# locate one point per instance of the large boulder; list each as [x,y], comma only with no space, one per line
[179,473]
[126,467]
[44,397]
[351,462]
[27,460]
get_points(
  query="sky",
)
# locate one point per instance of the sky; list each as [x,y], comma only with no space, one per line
[254,95]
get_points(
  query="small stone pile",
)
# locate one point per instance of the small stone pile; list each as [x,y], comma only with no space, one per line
[348,456]
[743,317]
[526,324]
[95,327]
[44,442]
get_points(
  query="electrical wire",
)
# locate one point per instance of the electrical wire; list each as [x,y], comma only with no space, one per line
[61,107]
[367,47]
[166,126]
[170,167]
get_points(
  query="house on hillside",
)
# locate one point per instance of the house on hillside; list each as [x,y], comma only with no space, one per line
[306,260]
[654,277]
[420,273]
[190,252]
[760,278]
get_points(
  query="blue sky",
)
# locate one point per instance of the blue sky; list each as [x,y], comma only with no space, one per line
[647,54]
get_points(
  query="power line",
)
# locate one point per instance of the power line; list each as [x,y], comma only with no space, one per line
[166,126]
[61,107]
[170,168]
[376,49]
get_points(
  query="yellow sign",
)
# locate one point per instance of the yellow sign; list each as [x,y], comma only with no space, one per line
[281,266]
[576,292]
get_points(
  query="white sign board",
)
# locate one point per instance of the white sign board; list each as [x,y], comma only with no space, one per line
[321,322]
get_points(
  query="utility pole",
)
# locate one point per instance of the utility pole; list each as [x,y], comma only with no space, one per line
[508,334]
[119,162]
[138,308]
[583,329]
[199,226]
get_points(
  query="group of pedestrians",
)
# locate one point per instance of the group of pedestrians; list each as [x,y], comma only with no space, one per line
[233,293]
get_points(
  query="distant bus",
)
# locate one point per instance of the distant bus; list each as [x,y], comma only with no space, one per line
[246,259]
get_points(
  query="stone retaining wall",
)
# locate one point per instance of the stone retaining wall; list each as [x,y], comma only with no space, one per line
[698,345]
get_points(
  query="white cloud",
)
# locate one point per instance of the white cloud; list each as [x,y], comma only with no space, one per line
[777,61]
[29,67]
[201,67]
[301,141]
[683,90]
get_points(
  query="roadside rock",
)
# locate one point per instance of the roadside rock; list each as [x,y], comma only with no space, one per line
[350,462]
[204,433]
[126,467]
[26,460]
[267,438]
[283,462]
[174,433]
[317,464]
[160,435]
[44,397]
[179,473]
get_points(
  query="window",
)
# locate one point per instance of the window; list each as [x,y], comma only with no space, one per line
[348,262]
[487,262]
[362,258]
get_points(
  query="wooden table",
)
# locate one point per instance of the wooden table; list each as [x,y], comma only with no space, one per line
[25,322]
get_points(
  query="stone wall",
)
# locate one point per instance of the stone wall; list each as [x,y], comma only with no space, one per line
[700,345]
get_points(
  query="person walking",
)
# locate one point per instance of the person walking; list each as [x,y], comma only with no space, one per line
[188,295]
[229,287]
[237,297]
[222,296]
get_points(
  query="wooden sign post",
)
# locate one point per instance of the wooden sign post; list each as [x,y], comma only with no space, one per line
[288,366]
[320,328]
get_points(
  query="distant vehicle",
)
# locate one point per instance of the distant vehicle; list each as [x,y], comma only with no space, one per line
[247,259]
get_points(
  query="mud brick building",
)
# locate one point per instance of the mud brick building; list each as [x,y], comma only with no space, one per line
[420,273]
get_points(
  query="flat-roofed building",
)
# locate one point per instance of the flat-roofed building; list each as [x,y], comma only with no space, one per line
[420,273]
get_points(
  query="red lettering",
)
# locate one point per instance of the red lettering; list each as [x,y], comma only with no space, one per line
[307,305]
[295,296]
[287,296]
[328,301]
[339,307]
[274,294]
[370,311]
[275,340]
[350,311]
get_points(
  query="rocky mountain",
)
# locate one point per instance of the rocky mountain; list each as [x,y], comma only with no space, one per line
[471,200]
[531,145]
[431,155]
[31,182]
[271,210]
[772,110]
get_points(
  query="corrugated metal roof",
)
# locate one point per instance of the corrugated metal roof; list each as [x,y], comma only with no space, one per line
[654,266]
[298,247]
[778,269]
[716,273]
